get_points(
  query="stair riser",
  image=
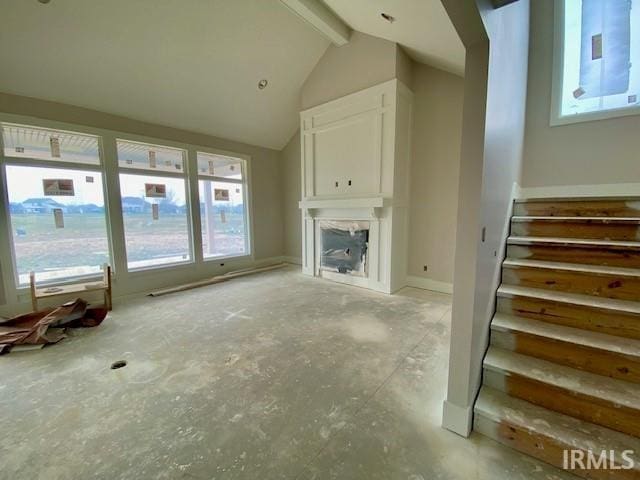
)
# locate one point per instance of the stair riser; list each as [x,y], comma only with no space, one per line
[590,208]
[600,320]
[589,256]
[602,231]
[544,448]
[575,404]
[593,360]
[605,286]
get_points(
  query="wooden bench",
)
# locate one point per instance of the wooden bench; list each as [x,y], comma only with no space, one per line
[73,288]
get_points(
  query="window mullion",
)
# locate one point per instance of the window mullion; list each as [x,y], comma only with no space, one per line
[194,205]
[114,206]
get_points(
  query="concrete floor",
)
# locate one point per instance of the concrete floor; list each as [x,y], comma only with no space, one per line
[275,375]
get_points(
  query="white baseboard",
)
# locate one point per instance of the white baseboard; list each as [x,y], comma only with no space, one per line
[568,191]
[292,260]
[428,284]
[457,419]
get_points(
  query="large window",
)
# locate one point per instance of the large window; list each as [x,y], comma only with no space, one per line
[597,60]
[154,205]
[56,203]
[62,225]
[223,211]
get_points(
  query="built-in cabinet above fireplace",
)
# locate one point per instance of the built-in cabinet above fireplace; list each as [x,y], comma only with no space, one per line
[355,167]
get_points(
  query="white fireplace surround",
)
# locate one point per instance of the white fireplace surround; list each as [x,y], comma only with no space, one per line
[355,164]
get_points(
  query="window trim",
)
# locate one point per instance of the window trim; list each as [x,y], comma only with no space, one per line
[6,161]
[184,176]
[248,217]
[556,119]
[186,272]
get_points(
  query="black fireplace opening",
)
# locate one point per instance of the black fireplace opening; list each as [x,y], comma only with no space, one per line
[344,250]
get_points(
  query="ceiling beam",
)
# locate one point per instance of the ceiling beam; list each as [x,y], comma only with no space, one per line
[501,3]
[321,18]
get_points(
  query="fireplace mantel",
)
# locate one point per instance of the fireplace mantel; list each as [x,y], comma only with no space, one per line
[355,166]
[346,202]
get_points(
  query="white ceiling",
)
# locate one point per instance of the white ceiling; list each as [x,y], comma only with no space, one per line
[191,64]
[422,27]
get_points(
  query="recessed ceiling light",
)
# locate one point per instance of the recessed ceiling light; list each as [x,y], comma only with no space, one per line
[44,1]
[262,84]
[388,17]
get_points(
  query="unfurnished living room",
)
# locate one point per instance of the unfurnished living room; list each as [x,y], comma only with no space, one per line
[319,239]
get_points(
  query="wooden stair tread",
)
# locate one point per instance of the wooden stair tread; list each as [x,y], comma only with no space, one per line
[577,199]
[616,392]
[574,242]
[626,306]
[566,430]
[586,338]
[572,267]
[602,220]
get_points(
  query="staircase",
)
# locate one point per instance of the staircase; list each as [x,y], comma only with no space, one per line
[563,366]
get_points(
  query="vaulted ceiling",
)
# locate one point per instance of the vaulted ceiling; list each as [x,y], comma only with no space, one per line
[422,27]
[191,64]
[196,64]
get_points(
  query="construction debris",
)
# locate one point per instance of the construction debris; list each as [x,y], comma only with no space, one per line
[217,279]
[48,326]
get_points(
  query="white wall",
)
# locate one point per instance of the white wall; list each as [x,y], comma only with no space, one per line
[266,193]
[602,151]
[435,165]
[492,141]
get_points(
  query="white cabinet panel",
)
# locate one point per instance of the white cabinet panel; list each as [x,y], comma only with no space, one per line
[355,166]
[346,153]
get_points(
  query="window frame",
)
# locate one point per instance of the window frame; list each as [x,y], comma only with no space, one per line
[246,197]
[12,295]
[6,161]
[556,118]
[183,174]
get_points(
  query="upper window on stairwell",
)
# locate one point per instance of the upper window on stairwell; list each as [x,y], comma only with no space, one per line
[596,60]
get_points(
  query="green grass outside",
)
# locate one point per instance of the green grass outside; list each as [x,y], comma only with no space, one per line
[40,246]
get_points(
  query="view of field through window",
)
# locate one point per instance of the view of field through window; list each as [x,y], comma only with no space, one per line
[57,236]
[156,228]
[59,221]
[223,219]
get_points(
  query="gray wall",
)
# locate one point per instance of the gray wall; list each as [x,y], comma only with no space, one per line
[435,166]
[602,151]
[437,124]
[292,187]
[492,142]
[267,190]
[362,63]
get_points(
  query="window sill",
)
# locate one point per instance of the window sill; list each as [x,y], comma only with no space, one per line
[557,121]
[164,266]
[25,287]
[242,256]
